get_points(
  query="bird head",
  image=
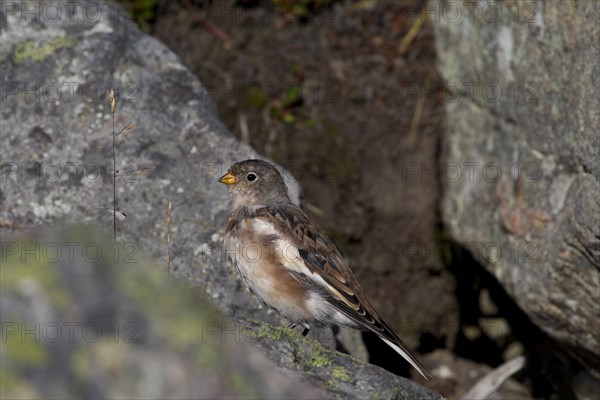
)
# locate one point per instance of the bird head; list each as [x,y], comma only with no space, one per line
[255,183]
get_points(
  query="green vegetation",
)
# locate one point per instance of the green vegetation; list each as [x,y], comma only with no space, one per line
[22,348]
[301,9]
[31,265]
[142,12]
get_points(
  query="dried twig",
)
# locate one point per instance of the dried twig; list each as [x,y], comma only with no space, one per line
[168,224]
[416,119]
[412,32]
[114,154]
[490,383]
[218,33]
[126,128]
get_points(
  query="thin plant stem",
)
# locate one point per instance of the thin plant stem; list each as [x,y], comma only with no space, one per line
[114,154]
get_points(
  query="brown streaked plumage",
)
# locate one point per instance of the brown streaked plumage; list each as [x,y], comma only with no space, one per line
[288,261]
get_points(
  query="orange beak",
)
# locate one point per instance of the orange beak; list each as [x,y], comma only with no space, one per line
[228,179]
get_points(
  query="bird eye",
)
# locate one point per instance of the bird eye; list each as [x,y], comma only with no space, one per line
[251,177]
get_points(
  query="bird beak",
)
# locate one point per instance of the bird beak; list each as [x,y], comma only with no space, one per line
[227,179]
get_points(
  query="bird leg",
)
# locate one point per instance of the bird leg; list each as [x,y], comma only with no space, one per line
[305,331]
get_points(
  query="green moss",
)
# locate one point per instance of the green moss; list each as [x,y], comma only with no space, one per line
[301,9]
[256,96]
[341,373]
[31,261]
[14,387]
[308,354]
[310,123]
[142,12]
[80,363]
[208,356]
[153,291]
[319,358]
[267,331]
[275,112]
[289,118]
[22,347]
[186,329]
[9,381]
[29,49]
[291,96]
[241,385]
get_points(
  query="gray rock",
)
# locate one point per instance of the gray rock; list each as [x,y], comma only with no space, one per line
[82,326]
[523,148]
[57,168]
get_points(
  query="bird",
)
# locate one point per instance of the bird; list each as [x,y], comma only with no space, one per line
[289,263]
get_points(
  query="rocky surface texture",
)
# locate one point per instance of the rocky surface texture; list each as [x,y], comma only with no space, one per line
[523,153]
[82,326]
[57,167]
[85,326]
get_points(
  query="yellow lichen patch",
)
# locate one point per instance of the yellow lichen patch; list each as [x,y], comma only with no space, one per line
[30,50]
[320,359]
[341,373]
[265,331]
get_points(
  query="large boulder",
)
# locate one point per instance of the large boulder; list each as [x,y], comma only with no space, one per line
[77,324]
[59,61]
[521,163]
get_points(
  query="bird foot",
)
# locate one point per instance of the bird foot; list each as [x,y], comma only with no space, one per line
[305,331]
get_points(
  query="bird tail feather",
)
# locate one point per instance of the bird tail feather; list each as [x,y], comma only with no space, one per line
[407,356]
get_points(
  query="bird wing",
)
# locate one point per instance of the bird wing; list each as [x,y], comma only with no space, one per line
[321,266]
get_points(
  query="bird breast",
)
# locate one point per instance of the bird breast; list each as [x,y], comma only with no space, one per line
[259,255]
